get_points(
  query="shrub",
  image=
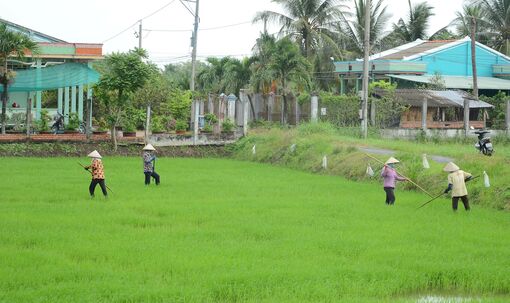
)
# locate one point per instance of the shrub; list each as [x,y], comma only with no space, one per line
[43,123]
[181,125]
[74,122]
[228,126]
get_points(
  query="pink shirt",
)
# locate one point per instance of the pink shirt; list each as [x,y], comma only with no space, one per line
[390,176]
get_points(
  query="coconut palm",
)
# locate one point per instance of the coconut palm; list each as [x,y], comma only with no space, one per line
[354,29]
[496,15]
[311,23]
[12,44]
[415,27]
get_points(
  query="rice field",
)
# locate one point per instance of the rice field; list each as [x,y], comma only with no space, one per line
[230,231]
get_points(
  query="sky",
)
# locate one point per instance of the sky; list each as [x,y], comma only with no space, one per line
[225,25]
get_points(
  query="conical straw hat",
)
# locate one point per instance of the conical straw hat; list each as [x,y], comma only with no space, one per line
[392,160]
[451,167]
[94,154]
[149,147]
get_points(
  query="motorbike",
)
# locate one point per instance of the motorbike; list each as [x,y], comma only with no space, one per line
[58,125]
[484,144]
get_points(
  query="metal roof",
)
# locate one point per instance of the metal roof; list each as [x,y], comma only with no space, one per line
[460,82]
[435,98]
[418,49]
[33,34]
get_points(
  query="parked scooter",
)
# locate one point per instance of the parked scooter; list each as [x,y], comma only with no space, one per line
[58,125]
[484,144]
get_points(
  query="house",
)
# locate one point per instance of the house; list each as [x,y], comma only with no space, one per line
[435,109]
[60,66]
[415,63]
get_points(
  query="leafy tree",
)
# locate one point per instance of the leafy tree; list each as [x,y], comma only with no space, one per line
[179,74]
[415,27]
[11,44]
[122,75]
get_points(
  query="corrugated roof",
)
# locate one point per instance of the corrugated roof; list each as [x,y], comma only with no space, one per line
[35,35]
[423,47]
[447,98]
[460,82]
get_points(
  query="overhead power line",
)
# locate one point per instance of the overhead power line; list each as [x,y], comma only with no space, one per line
[203,29]
[131,26]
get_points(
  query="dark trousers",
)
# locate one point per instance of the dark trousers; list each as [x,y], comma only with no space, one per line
[93,184]
[148,176]
[390,195]
[465,201]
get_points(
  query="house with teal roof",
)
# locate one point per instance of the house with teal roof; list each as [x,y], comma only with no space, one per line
[415,63]
[62,67]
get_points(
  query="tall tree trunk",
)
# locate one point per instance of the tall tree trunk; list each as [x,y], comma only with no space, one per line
[253,114]
[114,137]
[473,56]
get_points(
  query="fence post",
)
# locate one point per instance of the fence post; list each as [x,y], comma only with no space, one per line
[466,117]
[297,110]
[196,113]
[372,112]
[424,108]
[29,116]
[270,104]
[314,108]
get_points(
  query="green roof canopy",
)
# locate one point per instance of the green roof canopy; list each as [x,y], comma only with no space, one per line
[53,77]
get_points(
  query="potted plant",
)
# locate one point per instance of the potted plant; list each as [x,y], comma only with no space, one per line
[180,126]
[228,126]
[102,127]
[157,125]
[43,124]
[73,124]
[128,129]
[18,121]
[210,120]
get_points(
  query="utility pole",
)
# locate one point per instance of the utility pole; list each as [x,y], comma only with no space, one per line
[194,46]
[140,34]
[475,76]
[366,58]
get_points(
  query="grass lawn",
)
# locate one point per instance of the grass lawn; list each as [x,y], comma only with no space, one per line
[228,231]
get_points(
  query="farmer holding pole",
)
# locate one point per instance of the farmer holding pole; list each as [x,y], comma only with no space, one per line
[390,176]
[97,170]
[149,160]
[457,184]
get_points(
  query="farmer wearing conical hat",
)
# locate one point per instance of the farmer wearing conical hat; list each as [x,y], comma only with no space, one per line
[390,176]
[97,170]
[457,184]
[149,160]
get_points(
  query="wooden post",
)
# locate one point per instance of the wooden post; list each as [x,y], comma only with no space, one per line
[466,117]
[28,121]
[148,124]
[196,108]
[372,112]
[424,108]
[314,108]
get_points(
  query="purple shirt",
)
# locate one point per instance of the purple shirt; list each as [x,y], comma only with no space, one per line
[390,176]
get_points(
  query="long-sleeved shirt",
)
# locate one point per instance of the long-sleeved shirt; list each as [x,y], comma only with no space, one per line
[457,180]
[390,176]
[97,169]
[148,164]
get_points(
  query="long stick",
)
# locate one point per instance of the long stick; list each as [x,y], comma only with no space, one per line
[402,176]
[431,200]
[442,194]
[91,174]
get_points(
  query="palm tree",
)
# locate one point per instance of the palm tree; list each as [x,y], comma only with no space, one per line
[416,25]
[262,76]
[11,44]
[355,28]
[309,22]
[496,15]
[288,65]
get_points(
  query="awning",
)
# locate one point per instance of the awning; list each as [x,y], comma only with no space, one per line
[53,77]
[460,82]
